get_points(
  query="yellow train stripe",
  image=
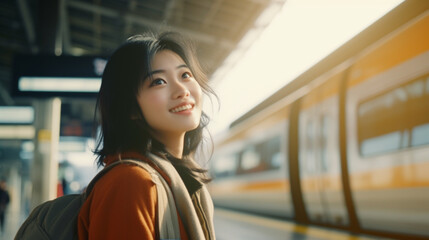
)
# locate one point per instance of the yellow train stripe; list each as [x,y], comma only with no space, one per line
[327,182]
[274,185]
[280,185]
[396,177]
[408,176]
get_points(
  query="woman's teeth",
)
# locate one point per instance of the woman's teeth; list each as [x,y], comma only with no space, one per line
[181,108]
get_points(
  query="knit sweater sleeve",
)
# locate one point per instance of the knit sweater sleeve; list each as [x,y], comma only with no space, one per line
[122,205]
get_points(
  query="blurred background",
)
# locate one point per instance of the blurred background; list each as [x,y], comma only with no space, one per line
[321,130]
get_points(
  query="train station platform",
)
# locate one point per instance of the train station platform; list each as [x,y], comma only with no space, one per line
[12,222]
[244,226]
[233,225]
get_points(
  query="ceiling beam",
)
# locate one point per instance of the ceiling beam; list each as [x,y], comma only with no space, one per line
[65,28]
[179,8]
[137,19]
[214,8]
[5,96]
[170,6]
[87,25]
[48,17]
[97,28]
[12,45]
[91,39]
[128,25]
[28,25]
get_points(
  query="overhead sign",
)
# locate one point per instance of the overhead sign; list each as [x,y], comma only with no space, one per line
[15,122]
[47,76]
[16,115]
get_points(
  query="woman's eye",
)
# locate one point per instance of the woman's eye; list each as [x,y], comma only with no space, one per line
[186,75]
[157,82]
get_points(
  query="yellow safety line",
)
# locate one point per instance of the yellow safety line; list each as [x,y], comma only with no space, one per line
[291,227]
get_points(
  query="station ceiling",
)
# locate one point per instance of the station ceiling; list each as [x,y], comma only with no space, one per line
[97,27]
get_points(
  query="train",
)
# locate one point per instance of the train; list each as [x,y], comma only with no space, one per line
[346,143]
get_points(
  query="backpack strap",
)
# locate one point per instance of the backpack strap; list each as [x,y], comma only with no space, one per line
[98,176]
[167,213]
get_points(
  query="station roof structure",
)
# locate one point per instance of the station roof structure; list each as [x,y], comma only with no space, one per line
[97,27]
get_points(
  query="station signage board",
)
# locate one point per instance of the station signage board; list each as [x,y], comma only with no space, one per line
[61,76]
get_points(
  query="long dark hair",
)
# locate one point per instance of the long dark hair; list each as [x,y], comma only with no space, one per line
[123,126]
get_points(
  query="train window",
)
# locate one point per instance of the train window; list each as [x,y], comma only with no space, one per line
[420,135]
[276,160]
[427,85]
[261,157]
[395,119]
[309,153]
[272,153]
[405,138]
[250,160]
[324,132]
[384,143]
[225,166]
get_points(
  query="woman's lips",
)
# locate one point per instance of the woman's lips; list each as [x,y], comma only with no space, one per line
[182,108]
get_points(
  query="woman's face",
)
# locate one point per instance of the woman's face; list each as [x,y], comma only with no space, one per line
[170,98]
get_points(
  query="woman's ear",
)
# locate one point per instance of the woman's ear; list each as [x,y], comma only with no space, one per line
[135,116]
[136,112]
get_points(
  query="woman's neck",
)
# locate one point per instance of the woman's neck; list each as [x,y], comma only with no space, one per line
[173,144]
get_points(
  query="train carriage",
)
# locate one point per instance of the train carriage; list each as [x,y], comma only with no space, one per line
[346,144]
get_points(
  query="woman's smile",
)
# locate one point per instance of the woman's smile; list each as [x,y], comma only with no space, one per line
[183,108]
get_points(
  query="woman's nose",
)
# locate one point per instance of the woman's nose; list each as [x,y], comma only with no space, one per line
[180,91]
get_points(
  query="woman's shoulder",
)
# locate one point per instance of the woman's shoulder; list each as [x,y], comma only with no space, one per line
[116,202]
[124,177]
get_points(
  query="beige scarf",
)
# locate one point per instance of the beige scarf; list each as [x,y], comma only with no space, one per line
[175,198]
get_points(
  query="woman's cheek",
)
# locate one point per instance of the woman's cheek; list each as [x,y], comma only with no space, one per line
[155,99]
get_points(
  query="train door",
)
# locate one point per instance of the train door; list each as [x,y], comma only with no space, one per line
[319,158]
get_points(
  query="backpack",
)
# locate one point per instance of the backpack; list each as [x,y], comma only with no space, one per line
[57,219]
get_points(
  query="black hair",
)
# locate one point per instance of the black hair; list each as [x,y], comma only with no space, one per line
[123,126]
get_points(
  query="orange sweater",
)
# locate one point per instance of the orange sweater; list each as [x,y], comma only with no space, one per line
[122,205]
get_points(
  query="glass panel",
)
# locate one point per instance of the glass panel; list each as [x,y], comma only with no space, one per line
[276,160]
[250,159]
[420,135]
[415,89]
[385,143]
[405,139]
[427,85]
[310,151]
[324,142]
[272,153]
[225,166]
[396,119]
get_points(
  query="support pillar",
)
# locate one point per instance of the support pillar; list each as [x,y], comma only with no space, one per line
[44,171]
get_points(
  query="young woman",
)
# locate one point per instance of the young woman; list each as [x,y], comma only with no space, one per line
[150,103]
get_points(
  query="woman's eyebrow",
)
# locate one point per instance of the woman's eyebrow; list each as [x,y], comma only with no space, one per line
[163,71]
[150,74]
[182,66]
